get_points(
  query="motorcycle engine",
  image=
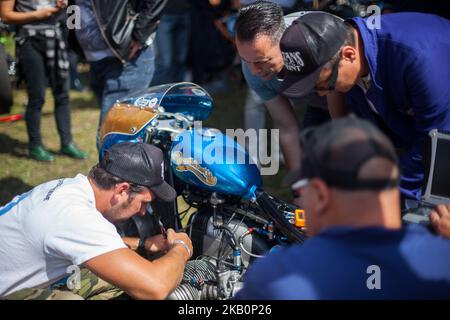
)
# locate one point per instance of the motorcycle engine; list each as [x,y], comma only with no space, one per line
[226,239]
[223,250]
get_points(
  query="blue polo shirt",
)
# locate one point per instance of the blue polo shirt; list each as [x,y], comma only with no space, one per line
[409,62]
[350,263]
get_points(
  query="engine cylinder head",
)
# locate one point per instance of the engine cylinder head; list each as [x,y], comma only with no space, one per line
[196,284]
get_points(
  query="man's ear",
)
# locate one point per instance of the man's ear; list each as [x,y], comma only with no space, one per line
[121,190]
[322,195]
[348,53]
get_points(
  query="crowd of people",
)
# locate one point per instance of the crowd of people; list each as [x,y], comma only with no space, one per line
[122,58]
[371,96]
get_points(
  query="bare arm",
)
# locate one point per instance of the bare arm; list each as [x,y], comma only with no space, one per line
[140,278]
[284,119]
[10,16]
[336,105]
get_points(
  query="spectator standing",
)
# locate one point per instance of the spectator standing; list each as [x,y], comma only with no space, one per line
[172,43]
[42,54]
[116,38]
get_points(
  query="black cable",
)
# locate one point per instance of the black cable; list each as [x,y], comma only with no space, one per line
[231,238]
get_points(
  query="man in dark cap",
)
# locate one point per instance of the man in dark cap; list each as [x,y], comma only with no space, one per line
[68,223]
[393,73]
[358,249]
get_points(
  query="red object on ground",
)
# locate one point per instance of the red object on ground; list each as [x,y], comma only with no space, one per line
[10,118]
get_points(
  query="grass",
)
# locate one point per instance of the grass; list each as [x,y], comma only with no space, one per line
[18,173]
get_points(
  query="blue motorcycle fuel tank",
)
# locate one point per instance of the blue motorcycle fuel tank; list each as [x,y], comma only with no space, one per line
[208,159]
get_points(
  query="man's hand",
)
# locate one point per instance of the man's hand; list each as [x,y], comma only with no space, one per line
[156,244]
[11,16]
[45,13]
[134,49]
[440,220]
[172,236]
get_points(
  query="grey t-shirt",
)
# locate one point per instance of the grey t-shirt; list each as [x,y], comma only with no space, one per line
[33,5]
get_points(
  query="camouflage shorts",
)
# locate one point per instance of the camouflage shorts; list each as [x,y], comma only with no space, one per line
[92,288]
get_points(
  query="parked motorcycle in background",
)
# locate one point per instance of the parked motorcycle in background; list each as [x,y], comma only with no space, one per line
[232,220]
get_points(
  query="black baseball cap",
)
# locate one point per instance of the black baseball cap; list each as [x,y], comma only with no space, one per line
[141,164]
[336,151]
[306,46]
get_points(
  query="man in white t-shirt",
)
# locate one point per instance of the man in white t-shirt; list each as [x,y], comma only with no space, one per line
[59,225]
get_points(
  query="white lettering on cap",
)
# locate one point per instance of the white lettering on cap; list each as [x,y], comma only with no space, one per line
[293,61]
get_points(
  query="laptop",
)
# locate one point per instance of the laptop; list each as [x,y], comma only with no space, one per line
[437,189]
[437,178]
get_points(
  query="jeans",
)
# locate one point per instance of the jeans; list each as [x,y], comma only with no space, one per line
[111,80]
[36,74]
[172,43]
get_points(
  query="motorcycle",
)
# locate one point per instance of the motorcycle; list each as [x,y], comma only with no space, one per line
[235,221]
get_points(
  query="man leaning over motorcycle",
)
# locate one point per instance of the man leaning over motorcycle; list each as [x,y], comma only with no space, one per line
[64,225]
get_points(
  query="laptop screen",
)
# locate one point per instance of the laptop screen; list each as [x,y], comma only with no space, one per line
[441,175]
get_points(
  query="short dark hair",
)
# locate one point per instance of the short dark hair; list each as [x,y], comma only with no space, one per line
[106,181]
[349,41]
[260,18]
[350,37]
